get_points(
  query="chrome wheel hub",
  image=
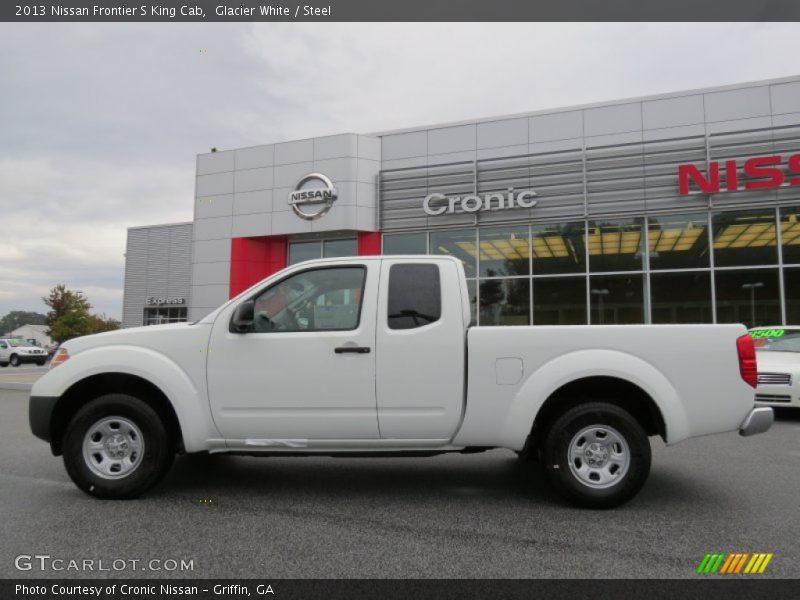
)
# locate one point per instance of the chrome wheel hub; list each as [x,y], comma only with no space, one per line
[599,456]
[113,447]
[117,446]
[596,455]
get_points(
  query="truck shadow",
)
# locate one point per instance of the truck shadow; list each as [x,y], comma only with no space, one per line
[427,477]
[488,478]
[791,415]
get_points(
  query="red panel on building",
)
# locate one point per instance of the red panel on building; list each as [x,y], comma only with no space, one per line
[253,259]
[369,243]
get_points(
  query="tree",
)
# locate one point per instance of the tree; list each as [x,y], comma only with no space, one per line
[69,315]
[18,318]
[100,323]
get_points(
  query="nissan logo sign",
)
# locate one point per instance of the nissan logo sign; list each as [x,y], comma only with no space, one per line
[312,202]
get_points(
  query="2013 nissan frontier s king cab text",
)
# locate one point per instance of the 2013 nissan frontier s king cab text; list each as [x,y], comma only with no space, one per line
[375,356]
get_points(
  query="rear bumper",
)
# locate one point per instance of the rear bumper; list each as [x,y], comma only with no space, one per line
[758,420]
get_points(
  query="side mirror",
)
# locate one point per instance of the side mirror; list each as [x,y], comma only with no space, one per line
[243,316]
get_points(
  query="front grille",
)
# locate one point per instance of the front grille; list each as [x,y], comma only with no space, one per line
[772,398]
[774,379]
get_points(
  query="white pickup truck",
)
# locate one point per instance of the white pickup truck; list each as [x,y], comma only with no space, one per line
[375,356]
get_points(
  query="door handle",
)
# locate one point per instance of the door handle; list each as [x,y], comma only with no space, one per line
[353,349]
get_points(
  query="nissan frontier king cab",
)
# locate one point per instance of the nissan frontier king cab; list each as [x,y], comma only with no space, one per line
[376,356]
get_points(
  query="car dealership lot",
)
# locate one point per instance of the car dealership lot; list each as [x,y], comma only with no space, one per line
[480,515]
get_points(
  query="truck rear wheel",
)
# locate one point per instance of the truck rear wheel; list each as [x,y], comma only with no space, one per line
[597,455]
[117,447]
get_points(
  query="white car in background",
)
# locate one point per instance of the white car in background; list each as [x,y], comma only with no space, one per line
[15,351]
[778,360]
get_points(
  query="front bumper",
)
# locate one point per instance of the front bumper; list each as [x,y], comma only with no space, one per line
[32,358]
[40,410]
[758,420]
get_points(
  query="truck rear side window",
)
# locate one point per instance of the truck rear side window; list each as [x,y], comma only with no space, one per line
[415,296]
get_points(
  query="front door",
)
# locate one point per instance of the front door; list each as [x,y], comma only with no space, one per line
[307,369]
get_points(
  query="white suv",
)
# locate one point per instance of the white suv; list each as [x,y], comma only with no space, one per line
[15,351]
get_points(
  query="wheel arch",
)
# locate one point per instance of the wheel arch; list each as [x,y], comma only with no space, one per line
[84,391]
[599,388]
[570,379]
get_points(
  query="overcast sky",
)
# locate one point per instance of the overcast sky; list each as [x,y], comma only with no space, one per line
[100,124]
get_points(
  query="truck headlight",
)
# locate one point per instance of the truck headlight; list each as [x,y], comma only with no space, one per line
[59,357]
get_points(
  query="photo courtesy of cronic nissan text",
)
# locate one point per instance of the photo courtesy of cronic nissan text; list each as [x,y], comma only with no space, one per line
[425,300]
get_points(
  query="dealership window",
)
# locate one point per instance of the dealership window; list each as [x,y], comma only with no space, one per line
[504,252]
[683,297]
[337,248]
[405,243]
[790,235]
[616,299]
[744,238]
[749,296]
[615,245]
[164,314]
[559,300]
[472,290]
[460,243]
[300,251]
[505,301]
[415,296]
[326,299]
[791,290]
[559,248]
[678,241]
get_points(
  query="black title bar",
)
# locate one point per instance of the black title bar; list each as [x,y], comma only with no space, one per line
[400,10]
[708,588]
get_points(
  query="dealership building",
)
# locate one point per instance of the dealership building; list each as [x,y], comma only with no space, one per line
[676,208]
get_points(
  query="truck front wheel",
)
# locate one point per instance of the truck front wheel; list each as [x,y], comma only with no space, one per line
[597,455]
[116,447]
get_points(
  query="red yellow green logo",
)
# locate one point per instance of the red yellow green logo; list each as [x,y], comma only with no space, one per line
[734,563]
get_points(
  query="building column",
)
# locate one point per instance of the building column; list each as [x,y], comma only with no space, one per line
[369,243]
[253,259]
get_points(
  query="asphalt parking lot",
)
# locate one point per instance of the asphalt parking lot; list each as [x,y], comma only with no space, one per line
[471,516]
[20,378]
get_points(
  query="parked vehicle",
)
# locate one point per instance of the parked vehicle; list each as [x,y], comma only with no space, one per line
[778,351]
[16,351]
[374,355]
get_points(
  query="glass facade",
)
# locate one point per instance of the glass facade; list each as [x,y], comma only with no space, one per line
[164,314]
[723,266]
[300,251]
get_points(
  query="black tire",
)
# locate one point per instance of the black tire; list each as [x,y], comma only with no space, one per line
[14,360]
[556,455]
[528,455]
[40,362]
[4,364]
[152,465]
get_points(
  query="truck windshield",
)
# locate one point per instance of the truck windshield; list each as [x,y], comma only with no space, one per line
[18,343]
[776,340]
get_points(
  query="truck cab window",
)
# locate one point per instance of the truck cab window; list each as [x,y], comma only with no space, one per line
[415,296]
[318,300]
